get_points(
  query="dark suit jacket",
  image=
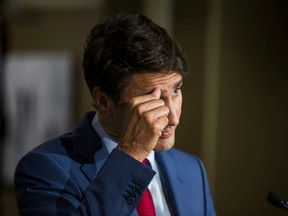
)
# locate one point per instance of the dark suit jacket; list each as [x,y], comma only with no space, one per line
[74,175]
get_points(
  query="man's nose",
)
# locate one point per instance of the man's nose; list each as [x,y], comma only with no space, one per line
[173,114]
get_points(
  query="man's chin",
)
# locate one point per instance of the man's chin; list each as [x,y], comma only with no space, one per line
[164,144]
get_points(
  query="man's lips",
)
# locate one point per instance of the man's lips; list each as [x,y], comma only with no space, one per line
[167,132]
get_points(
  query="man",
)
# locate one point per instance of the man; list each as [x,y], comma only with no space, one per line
[134,72]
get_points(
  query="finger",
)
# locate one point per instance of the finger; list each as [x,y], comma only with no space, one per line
[161,111]
[160,124]
[155,94]
[149,106]
[153,115]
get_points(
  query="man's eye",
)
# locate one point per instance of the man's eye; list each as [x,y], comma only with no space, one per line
[177,90]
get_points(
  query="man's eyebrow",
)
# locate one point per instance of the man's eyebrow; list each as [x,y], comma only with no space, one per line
[176,85]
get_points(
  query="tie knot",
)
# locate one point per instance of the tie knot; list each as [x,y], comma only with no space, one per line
[145,161]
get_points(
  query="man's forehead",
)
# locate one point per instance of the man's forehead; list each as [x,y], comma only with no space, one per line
[145,83]
[148,80]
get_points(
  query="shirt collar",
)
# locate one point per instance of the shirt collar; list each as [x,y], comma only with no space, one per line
[107,140]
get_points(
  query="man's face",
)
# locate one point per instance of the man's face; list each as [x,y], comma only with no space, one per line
[142,84]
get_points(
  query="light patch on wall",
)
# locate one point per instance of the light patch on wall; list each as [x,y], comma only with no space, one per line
[38,102]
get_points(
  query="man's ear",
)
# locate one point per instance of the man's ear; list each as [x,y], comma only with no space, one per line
[101,101]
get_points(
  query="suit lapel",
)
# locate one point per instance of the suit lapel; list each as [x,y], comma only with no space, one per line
[88,148]
[91,170]
[171,182]
[174,185]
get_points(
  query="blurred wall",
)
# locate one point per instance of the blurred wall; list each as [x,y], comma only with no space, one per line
[252,110]
[235,98]
[34,30]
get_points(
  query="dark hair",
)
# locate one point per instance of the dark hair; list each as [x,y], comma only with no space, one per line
[124,45]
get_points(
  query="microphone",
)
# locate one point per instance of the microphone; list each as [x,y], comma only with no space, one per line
[278,200]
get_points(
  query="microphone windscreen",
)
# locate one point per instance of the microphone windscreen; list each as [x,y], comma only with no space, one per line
[277,200]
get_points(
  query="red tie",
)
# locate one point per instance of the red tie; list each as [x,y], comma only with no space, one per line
[145,206]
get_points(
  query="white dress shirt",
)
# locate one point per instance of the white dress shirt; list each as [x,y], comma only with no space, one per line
[155,185]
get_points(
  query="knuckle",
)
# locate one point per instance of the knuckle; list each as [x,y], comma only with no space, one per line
[148,117]
[157,130]
[166,109]
[158,133]
[166,121]
[161,102]
[133,102]
[140,109]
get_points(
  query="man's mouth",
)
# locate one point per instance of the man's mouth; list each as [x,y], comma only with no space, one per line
[167,132]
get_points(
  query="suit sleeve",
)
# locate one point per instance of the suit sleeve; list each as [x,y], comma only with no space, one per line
[44,187]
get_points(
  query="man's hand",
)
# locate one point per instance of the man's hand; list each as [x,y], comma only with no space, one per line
[145,118]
